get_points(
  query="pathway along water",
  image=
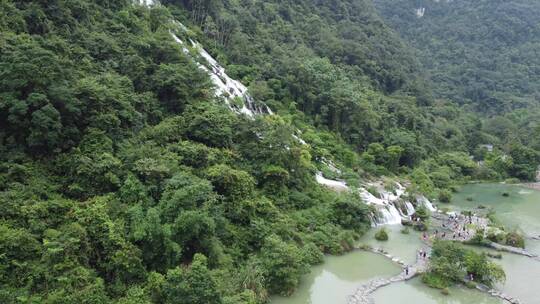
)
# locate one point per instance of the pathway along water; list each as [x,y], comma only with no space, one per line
[341,276]
[519,210]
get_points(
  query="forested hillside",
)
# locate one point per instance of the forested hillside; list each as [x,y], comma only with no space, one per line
[124,178]
[480,54]
[483,53]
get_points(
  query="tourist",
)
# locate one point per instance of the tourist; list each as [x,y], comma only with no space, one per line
[407,270]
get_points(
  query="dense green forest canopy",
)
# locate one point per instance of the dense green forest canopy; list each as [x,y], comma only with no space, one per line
[483,53]
[124,179]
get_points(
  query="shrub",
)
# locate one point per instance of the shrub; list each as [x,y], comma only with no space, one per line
[381,235]
[420,226]
[515,239]
[373,190]
[445,196]
[505,194]
[423,213]
[496,255]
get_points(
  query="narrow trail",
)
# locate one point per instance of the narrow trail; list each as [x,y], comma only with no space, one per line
[363,293]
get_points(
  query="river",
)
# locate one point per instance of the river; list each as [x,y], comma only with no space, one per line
[339,276]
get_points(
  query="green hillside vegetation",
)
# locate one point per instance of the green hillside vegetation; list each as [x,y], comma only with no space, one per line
[124,180]
[482,53]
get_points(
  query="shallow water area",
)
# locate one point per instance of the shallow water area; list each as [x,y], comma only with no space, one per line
[520,210]
[338,277]
[416,292]
[403,246]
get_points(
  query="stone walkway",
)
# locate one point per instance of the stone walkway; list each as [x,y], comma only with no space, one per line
[497,294]
[456,228]
[462,229]
[362,295]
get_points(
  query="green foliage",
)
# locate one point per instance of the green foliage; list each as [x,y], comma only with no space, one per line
[349,213]
[283,265]
[515,239]
[450,262]
[123,179]
[193,285]
[445,196]
[381,235]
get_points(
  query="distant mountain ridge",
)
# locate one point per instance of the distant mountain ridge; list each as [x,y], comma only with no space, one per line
[484,53]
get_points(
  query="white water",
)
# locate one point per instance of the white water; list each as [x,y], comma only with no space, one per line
[389,215]
[226,87]
[410,208]
[336,185]
[426,203]
[229,88]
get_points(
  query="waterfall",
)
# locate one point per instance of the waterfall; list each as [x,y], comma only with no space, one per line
[388,215]
[336,185]
[410,208]
[226,87]
[370,199]
[426,203]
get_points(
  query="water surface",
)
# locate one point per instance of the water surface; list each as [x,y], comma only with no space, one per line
[521,211]
[338,278]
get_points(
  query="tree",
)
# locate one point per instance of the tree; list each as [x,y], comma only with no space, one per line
[283,265]
[349,212]
[191,285]
[233,184]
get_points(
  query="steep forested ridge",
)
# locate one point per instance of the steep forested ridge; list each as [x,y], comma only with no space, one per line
[125,179]
[483,53]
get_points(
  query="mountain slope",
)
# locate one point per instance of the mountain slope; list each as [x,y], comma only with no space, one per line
[134,168]
[483,53]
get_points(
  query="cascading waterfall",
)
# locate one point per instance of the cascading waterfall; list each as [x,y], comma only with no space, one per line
[231,90]
[410,208]
[226,87]
[423,201]
[336,185]
[389,215]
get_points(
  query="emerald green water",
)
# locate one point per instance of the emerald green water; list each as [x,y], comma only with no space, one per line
[415,292]
[520,210]
[338,277]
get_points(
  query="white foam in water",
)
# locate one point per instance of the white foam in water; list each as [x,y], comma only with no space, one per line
[389,215]
[426,203]
[410,208]
[336,185]
[225,86]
